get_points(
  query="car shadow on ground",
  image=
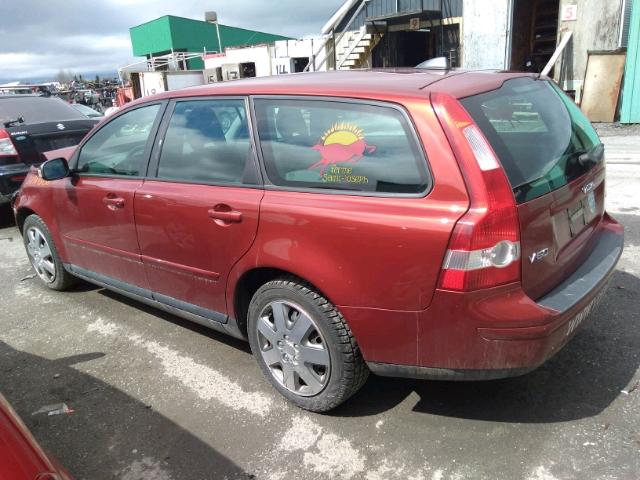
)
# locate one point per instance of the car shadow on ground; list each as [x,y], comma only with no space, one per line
[194,327]
[6,216]
[579,381]
[109,434]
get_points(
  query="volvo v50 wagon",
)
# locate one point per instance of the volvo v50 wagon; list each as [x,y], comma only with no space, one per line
[426,224]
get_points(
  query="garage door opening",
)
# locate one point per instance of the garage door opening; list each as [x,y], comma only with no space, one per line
[535,32]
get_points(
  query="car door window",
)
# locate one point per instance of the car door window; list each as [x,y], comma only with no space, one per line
[118,147]
[207,141]
[337,145]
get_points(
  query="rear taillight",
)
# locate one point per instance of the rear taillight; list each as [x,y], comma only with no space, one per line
[484,250]
[7,148]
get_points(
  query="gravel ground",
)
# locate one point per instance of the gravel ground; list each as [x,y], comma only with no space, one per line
[157,398]
[617,129]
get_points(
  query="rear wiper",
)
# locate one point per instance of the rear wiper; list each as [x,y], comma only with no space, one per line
[14,122]
[592,157]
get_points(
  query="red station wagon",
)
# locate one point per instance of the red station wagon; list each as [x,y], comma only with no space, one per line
[419,223]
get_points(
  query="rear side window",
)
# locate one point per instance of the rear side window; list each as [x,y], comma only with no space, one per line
[207,141]
[537,132]
[339,146]
[37,109]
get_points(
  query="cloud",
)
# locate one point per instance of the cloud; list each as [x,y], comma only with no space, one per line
[40,38]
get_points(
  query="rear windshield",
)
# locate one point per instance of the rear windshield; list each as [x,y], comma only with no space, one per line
[37,110]
[537,132]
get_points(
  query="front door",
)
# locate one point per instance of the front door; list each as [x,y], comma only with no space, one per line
[96,204]
[199,215]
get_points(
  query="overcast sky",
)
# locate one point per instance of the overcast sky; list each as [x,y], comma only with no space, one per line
[38,38]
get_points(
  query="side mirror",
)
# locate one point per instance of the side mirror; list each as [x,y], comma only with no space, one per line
[54,169]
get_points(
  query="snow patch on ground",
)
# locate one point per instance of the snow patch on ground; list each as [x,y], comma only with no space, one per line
[328,455]
[323,453]
[302,435]
[541,473]
[336,456]
[631,258]
[145,469]
[207,383]
[106,329]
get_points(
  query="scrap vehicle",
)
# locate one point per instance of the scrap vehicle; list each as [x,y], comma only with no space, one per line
[29,126]
[437,224]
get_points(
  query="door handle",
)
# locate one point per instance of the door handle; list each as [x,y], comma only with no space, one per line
[223,213]
[112,202]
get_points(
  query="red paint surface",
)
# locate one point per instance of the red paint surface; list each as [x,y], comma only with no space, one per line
[95,233]
[544,224]
[188,255]
[21,458]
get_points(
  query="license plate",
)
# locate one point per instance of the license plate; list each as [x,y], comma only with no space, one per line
[577,218]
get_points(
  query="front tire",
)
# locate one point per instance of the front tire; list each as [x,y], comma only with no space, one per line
[43,255]
[304,346]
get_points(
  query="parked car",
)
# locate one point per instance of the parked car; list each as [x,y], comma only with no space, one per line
[29,126]
[427,224]
[87,111]
[21,458]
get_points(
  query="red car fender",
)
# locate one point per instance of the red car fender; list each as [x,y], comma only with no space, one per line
[21,457]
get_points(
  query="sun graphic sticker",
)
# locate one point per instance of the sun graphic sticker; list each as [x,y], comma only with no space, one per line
[342,143]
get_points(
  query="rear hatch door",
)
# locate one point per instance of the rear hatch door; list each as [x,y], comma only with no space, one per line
[39,124]
[555,163]
[32,140]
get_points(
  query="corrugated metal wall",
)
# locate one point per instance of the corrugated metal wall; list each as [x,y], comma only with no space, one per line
[630,111]
[392,8]
[626,23]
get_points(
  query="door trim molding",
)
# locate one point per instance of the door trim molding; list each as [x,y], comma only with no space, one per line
[209,318]
[180,269]
[102,249]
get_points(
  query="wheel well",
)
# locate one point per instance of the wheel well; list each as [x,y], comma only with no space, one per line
[249,284]
[22,215]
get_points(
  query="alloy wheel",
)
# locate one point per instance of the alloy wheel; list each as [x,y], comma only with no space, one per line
[40,255]
[293,348]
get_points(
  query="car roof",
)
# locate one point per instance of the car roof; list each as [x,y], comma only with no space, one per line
[20,95]
[374,84]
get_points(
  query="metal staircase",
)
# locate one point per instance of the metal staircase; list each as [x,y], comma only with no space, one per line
[350,49]
[355,48]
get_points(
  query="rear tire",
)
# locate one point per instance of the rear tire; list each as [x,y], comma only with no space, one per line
[304,346]
[43,255]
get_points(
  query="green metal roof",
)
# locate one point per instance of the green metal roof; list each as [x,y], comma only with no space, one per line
[163,34]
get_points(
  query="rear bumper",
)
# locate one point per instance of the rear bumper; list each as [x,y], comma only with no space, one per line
[502,332]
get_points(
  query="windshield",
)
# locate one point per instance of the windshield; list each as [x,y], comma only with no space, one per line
[88,111]
[537,132]
[37,110]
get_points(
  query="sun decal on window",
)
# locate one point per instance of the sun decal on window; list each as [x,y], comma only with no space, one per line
[342,143]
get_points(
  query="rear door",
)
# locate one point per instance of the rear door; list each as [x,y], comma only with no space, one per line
[197,214]
[350,202]
[554,162]
[96,205]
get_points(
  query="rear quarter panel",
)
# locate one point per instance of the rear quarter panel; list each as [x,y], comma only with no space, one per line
[374,252]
